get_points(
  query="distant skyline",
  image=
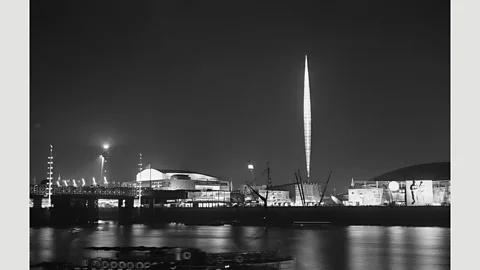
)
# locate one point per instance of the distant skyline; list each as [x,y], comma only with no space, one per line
[208,86]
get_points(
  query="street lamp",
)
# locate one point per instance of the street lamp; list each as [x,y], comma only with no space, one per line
[393,187]
[104,156]
[252,173]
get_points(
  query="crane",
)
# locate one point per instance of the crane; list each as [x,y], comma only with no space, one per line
[325,189]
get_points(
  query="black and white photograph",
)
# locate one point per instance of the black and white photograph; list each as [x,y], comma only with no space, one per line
[238,135]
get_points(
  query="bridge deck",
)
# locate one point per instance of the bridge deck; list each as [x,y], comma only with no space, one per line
[103,192]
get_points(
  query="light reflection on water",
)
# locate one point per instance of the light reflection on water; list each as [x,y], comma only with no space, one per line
[354,247]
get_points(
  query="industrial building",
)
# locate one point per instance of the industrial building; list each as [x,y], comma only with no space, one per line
[418,185]
[303,194]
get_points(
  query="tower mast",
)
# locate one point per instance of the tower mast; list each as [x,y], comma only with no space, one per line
[307,118]
[140,166]
[50,176]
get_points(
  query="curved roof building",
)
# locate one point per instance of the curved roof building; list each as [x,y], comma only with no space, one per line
[179,180]
[430,171]
[417,185]
[153,175]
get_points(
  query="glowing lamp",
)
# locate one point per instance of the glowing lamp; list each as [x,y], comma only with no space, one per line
[393,186]
[250,166]
[106,146]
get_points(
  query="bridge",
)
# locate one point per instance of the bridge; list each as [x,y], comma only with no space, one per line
[87,197]
[93,192]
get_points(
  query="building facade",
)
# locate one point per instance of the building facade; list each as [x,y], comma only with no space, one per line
[178,180]
[303,194]
[418,185]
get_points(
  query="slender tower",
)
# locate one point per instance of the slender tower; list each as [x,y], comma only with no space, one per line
[307,119]
[50,176]
[139,181]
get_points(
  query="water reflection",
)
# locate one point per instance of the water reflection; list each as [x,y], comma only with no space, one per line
[355,247]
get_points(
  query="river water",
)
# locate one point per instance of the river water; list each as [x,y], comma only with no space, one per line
[353,247]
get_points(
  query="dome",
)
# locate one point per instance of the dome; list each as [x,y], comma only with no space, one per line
[152,174]
[429,171]
[149,174]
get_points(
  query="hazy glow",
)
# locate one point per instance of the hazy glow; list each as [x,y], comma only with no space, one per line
[94,182]
[307,118]
[105,180]
[393,186]
[106,146]
[65,182]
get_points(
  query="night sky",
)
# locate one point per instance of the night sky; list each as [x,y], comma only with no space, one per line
[206,86]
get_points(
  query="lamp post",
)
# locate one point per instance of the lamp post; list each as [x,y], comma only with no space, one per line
[251,168]
[105,156]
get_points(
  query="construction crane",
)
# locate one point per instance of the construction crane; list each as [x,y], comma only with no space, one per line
[300,189]
[264,199]
[251,168]
[325,188]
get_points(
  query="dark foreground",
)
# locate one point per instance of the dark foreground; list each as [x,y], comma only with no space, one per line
[333,247]
[178,258]
[291,216]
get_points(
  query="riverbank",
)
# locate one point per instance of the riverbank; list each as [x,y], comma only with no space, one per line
[280,216]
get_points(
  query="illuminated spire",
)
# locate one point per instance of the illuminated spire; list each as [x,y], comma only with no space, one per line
[50,176]
[307,118]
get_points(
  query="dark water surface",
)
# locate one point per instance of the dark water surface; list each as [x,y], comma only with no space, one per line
[354,247]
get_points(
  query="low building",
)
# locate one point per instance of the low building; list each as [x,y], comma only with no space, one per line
[305,194]
[249,196]
[418,185]
[365,196]
[276,197]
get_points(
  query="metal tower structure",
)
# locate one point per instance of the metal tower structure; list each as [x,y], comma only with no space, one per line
[50,176]
[140,166]
[307,118]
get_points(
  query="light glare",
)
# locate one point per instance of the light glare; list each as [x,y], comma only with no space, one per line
[393,186]
[307,117]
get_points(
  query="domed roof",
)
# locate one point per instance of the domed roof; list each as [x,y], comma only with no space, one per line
[429,171]
[149,174]
[152,174]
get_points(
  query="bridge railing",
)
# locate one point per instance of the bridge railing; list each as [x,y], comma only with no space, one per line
[99,191]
